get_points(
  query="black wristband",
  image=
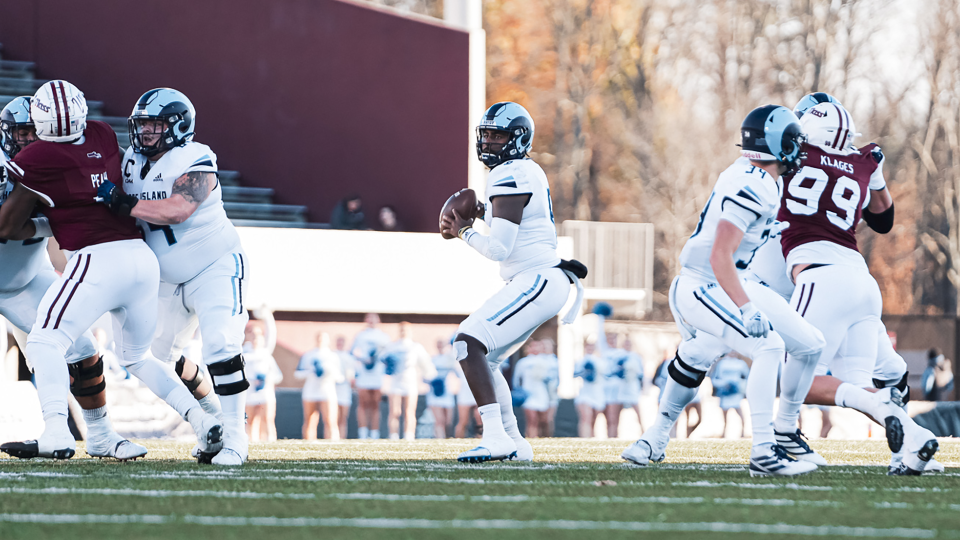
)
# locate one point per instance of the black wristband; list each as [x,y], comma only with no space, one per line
[882,222]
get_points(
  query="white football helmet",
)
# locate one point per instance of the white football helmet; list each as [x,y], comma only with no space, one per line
[59,112]
[830,126]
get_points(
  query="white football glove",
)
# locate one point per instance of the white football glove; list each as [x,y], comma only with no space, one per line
[754,321]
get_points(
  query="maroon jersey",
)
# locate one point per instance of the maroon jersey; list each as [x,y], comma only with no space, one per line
[823,200]
[66,176]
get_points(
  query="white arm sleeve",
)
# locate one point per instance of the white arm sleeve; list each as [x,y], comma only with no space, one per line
[497,246]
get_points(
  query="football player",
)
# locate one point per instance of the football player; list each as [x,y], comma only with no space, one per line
[369,379]
[523,239]
[170,185]
[110,268]
[406,363]
[715,308]
[838,185]
[25,275]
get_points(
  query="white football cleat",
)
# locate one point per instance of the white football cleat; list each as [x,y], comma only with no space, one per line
[525,451]
[490,449]
[934,466]
[773,460]
[796,446]
[235,449]
[638,453]
[111,444]
[55,442]
[209,431]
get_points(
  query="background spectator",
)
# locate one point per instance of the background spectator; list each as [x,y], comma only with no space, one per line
[729,381]
[348,214]
[443,388]
[264,374]
[937,379]
[387,220]
[320,369]
[407,364]
[369,380]
[466,408]
[345,387]
[590,401]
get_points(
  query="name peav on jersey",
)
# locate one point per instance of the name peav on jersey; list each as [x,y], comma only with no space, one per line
[183,249]
[823,202]
[746,196]
[536,244]
[66,176]
[19,260]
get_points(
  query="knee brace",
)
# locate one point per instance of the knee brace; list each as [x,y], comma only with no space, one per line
[191,384]
[81,374]
[901,385]
[684,374]
[228,367]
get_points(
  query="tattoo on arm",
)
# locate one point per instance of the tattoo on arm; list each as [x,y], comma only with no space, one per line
[194,186]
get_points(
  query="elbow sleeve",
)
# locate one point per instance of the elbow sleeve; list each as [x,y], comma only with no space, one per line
[881,222]
[497,246]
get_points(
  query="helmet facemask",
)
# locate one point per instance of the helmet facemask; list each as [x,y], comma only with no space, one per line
[506,118]
[152,135]
[17,136]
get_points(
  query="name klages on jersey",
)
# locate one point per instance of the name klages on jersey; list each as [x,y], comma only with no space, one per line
[536,244]
[184,249]
[824,199]
[744,195]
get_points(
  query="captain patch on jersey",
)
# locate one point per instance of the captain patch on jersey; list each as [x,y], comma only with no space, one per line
[183,249]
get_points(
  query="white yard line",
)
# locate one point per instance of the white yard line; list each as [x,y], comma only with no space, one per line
[155,493]
[579,500]
[481,524]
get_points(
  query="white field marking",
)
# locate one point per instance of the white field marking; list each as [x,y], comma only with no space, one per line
[579,500]
[154,493]
[754,486]
[58,519]
[510,524]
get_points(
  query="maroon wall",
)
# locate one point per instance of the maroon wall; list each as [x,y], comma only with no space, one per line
[315,98]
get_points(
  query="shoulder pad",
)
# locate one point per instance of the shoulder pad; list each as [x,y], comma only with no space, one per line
[877,153]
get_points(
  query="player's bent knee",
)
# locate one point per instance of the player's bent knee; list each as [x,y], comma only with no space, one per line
[191,382]
[228,376]
[83,374]
[685,374]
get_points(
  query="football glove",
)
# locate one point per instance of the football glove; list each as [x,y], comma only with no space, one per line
[119,202]
[754,321]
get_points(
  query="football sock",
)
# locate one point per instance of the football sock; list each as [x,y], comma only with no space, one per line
[505,400]
[410,435]
[52,380]
[234,414]
[363,433]
[97,421]
[854,397]
[675,398]
[795,381]
[492,421]
[762,392]
[394,436]
[211,405]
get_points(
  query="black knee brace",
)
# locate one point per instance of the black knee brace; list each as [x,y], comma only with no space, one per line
[81,374]
[193,383]
[227,367]
[684,374]
[901,385]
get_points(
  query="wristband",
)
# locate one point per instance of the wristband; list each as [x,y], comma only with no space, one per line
[43,227]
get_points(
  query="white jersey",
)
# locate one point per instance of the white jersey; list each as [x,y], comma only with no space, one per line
[632,382]
[533,374]
[746,196]
[320,368]
[770,268]
[184,249]
[407,363]
[536,244]
[440,394]
[20,260]
[730,381]
[591,371]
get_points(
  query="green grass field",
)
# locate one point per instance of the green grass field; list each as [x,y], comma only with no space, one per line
[392,489]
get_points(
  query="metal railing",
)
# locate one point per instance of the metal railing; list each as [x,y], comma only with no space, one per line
[619,256]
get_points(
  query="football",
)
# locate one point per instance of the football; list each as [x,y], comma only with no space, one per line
[464,202]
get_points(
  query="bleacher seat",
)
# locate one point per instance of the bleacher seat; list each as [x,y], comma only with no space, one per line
[247,206]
